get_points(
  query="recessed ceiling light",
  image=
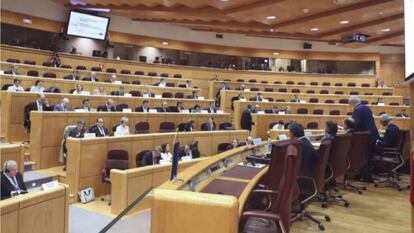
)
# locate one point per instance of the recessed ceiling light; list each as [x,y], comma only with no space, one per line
[224,0]
[165,43]
[271,30]
[305,10]
[314,29]
[385,29]
[344,22]
[275,53]
[270,17]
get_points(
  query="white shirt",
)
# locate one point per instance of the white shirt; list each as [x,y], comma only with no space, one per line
[37,89]
[166,156]
[39,107]
[76,92]
[121,131]
[15,88]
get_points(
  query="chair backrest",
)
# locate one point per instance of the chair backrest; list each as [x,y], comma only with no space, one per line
[29,62]
[92,127]
[387,94]
[142,127]
[165,75]
[282,90]
[96,69]
[351,84]
[170,84]
[172,109]
[290,82]
[313,83]
[111,70]
[138,72]
[338,84]
[280,100]
[13,60]
[114,127]
[226,126]
[135,93]
[136,82]
[138,157]
[339,92]
[240,80]
[329,101]
[66,66]
[264,82]
[120,107]
[33,73]
[295,91]
[335,112]
[310,91]
[277,82]
[47,63]
[365,85]
[339,155]
[268,89]
[302,111]
[358,149]
[324,152]
[313,100]
[125,72]
[49,75]
[254,89]
[167,126]
[252,81]
[354,93]
[177,76]
[179,95]
[326,84]
[281,204]
[301,83]
[181,126]
[312,125]
[117,159]
[152,74]
[318,112]
[343,101]
[223,147]
[368,93]
[6,86]
[81,67]
[167,95]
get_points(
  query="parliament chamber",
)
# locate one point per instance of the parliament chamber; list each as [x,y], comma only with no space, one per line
[206,116]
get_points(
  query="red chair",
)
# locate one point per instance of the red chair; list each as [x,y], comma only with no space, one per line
[354,93]
[121,107]
[343,101]
[135,93]
[351,84]
[29,62]
[33,73]
[166,127]
[47,64]
[165,75]
[252,81]
[302,111]
[254,89]
[295,91]
[301,83]
[387,94]
[136,82]
[365,85]
[142,127]
[138,72]
[277,82]
[13,60]
[339,92]
[96,69]
[125,72]
[310,91]
[264,82]
[268,89]
[282,176]
[138,157]
[312,125]
[49,75]
[116,159]
[368,93]
[326,84]
[338,84]
[170,84]
[111,70]
[313,83]
[290,83]
[240,80]
[335,113]
[282,90]
[81,67]
[324,92]
[167,95]
[177,76]
[66,66]
[179,95]
[313,100]
[152,74]
[318,112]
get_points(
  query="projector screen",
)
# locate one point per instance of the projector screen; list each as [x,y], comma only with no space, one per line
[89,26]
[409,39]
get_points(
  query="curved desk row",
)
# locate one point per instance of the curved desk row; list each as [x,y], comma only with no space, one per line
[240,106]
[87,156]
[13,107]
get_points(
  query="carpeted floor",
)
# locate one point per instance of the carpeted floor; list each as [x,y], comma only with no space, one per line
[84,221]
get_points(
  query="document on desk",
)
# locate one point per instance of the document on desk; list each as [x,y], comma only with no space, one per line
[256,165]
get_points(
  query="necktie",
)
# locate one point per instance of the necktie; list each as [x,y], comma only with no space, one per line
[14,182]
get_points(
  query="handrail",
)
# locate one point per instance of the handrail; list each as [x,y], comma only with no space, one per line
[125,211]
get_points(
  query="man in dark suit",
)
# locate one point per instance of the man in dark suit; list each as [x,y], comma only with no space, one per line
[209,125]
[258,97]
[11,180]
[99,130]
[85,105]
[391,135]
[246,121]
[193,95]
[349,125]
[73,76]
[143,108]
[211,108]
[91,78]
[41,104]
[188,127]
[364,121]
[151,157]
[188,151]
[309,154]
[402,114]
[120,92]
[108,107]
[13,71]
[163,107]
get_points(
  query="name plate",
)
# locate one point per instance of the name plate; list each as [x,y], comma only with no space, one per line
[158,96]
[127,95]
[204,111]
[201,97]
[186,158]
[85,93]
[80,110]
[281,113]
[152,110]
[89,135]
[50,185]
[118,82]
[265,100]
[185,111]
[126,110]
[220,112]
[247,90]
[381,104]
[243,100]
[261,112]
[302,101]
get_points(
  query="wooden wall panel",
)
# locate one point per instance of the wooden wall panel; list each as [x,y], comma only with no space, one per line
[12,152]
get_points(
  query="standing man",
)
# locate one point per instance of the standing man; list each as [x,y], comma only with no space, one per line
[364,121]
[246,118]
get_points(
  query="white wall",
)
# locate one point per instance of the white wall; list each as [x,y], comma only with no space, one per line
[56,11]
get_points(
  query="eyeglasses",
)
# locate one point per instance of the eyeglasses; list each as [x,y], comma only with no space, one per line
[100,122]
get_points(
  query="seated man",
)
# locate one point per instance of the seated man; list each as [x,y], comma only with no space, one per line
[210,125]
[78,89]
[151,157]
[180,106]
[258,97]
[193,95]
[11,180]
[111,79]
[309,154]
[38,87]
[331,129]
[144,107]
[73,76]
[161,83]
[100,91]
[108,107]
[163,107]
[190,152]
[85,105]
[13,71]
[91,78]
[295,99]
[402,114]
[120,92]
[196,109]
[74,132]
[63,106]
[188,127]
[211,108]
[274,110]
[391,135]
[99,130]
[16,85]
[123,128]
[41,104]
[280,125]
[349,125]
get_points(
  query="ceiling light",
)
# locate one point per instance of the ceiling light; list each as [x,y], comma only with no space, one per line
[273,30]
[270,17]
[305,10]
[344,22]
[314,29]
[385,29]
[224,0]
[275,53]
[165,43]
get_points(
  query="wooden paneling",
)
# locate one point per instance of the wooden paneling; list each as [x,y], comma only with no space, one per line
[43,24]
[12,152]
[84,152]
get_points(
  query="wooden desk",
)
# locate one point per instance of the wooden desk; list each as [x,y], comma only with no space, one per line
[214,87]
[47,128]
[261,129]
[129,184]
[240,106]
[37,212]
[84,152]
[12,152]
[274,133]
[226,96]
[13,108]
[194,193]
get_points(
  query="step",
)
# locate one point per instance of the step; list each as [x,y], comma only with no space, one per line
[29,166]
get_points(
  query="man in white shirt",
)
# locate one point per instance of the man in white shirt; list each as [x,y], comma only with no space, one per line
[16,85]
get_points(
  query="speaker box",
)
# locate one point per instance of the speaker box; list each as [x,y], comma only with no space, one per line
[307,46]
[143,58]
[96,53]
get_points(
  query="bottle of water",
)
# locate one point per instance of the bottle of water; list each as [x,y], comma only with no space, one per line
[269,146]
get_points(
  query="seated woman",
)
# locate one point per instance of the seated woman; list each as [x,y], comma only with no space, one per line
[38,87]
[122,129]
[78,89]
[331,129]
[166,152]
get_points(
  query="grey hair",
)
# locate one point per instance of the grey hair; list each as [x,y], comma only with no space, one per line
[354,99]
[385,118]
[158,148]
[8,164]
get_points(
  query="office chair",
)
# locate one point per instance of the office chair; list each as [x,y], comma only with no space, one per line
[226,126]
[223,147]
[166,127]
[142,127]
[116,159]
[138,157]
